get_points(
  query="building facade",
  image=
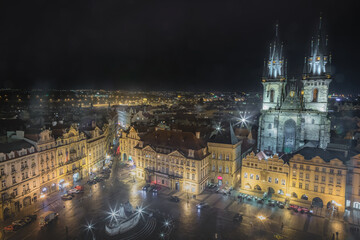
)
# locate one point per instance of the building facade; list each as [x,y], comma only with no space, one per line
[266,176]
[353,183]
[96,151]
[174,159]
[295,112]
[19,173]
[225,158]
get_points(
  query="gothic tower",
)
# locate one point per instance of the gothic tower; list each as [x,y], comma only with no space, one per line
[274,78]
[317,76]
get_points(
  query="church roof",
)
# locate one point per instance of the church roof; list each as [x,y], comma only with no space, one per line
[226,136]
[324,154]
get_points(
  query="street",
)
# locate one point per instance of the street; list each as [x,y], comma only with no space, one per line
[190,223]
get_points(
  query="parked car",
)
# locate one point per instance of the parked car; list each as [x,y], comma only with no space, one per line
[174,199]
[260,201]
[27,220]
[91,182]
[33,217]
[80,188]
[271,203]
[73,190]
[47,217]
[19,222]
[202,205]
[281,205]
[9,228]
[238,217]
[145,188]
[66,197]
[154,189]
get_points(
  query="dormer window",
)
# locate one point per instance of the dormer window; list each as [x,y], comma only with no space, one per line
[191,153]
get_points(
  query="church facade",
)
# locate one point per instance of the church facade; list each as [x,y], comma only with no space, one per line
[294,112]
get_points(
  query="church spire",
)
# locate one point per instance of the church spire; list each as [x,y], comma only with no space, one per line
[275,66]
[316,63]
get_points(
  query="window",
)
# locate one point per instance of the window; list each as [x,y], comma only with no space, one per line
[308,168]
[2,172]
[269,126]
[282,181]
[294,173]
[322,189]
[213,155]
[339,172]
[257,177]
[3,183]
[245,175]
[251,176]
[193,164]
[331,180]
[300,185]
[316,177]
[316,169]
[193,176]
[306,186]
[13,180]
[213,168]
[301,167]
[315,95]
[276,180]
[293,184]
[301,175]
[294,166]
[269,180]
[315,188]
[227,169]
[220,156]
[324,169]
[338,181]
[307,176]
[15,192]
[227,157]
[323,178]
[220,169]
[330,190]
[272,95]
[188,175]
[331,171]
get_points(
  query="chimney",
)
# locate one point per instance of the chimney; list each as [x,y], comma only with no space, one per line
[197,135]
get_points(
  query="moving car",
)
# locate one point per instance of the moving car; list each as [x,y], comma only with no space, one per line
[271,203]
[47,217]
[238,217]
[66,197]
[9,228]
[33,217]
[80,188]
[174,199]
[202,205]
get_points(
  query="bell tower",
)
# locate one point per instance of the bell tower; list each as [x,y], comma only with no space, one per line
[274,79]
[317,73]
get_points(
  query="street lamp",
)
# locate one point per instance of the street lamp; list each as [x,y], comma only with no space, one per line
[261,217]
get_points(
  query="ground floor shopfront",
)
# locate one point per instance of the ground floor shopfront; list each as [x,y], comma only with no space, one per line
[11,206]
[172,182]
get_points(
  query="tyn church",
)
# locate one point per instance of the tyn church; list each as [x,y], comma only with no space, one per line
[294,112]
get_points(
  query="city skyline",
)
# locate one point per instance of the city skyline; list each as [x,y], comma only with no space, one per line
[166,46]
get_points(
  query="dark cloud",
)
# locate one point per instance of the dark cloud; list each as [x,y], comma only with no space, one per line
[190,45]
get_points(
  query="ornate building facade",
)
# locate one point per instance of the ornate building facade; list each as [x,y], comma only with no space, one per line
[295,112]
[174,159]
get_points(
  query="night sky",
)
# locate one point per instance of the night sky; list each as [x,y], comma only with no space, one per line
[167,45]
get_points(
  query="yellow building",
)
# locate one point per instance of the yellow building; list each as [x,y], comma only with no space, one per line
[19,177]
[174,159]
[306,179]
[127,142]
[71,153]
[96,152]
[225,158]
[265,175]
[317,181]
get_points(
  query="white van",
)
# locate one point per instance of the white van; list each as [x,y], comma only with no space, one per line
[47,217]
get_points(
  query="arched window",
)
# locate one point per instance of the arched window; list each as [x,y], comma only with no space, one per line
[315,95]
[272,95]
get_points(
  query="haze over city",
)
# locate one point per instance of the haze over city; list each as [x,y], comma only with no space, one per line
[179,120]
